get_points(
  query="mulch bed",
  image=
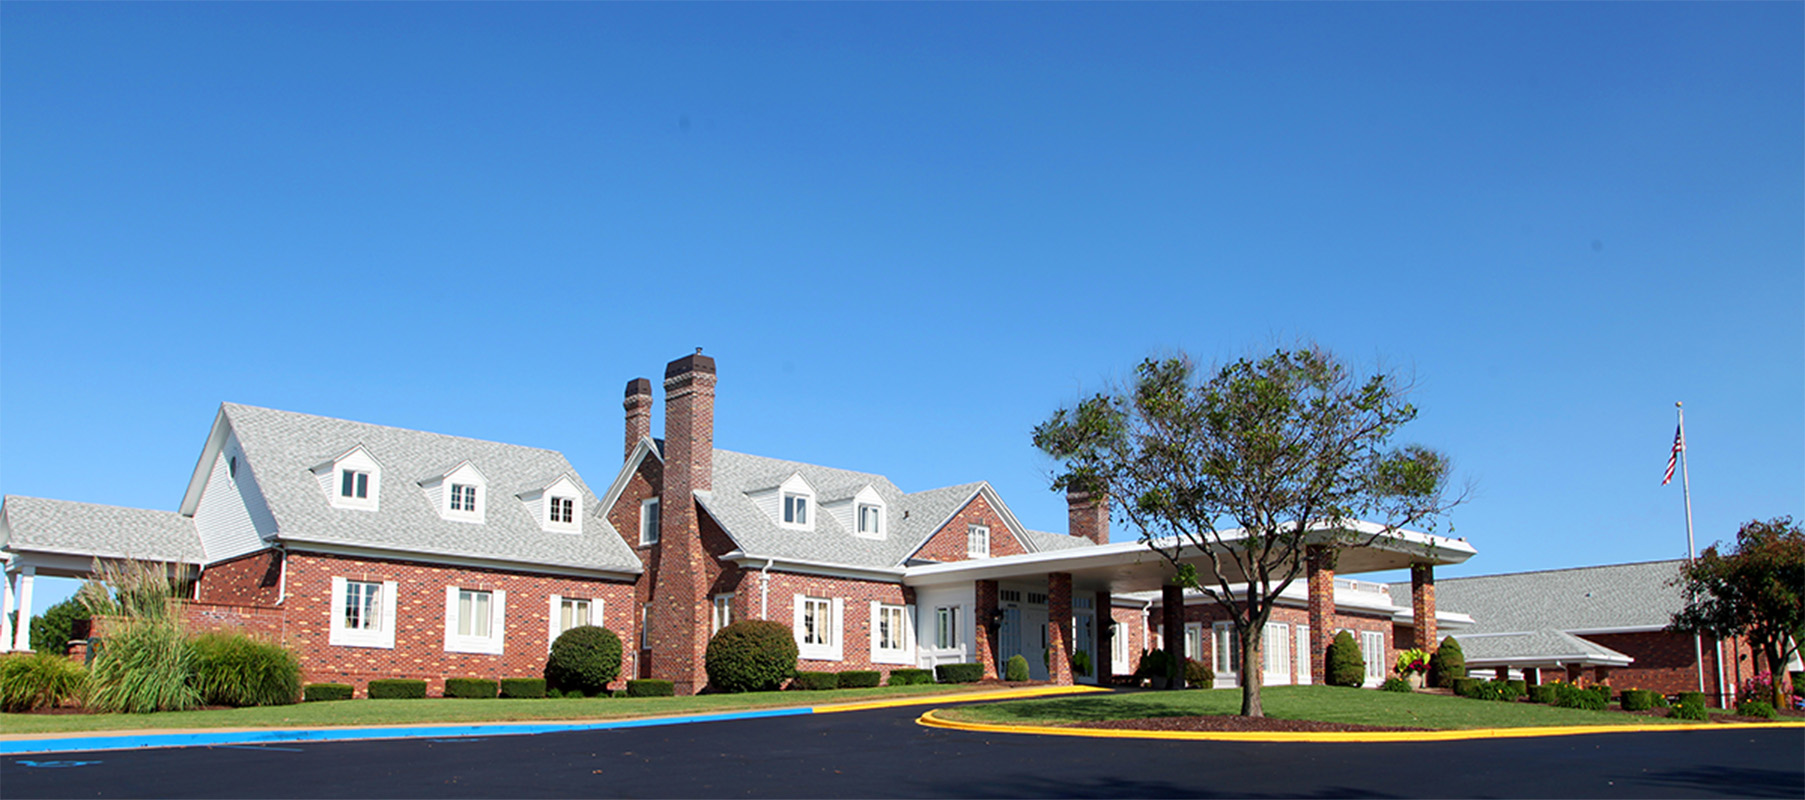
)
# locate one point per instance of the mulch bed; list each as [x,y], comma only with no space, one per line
[1235,724]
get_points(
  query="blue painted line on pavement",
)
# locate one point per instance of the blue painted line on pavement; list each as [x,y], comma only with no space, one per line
[78,744]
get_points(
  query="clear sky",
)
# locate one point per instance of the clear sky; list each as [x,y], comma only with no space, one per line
[909,232]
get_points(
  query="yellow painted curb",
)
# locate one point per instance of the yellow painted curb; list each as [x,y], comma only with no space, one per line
[923,700]
[930,719]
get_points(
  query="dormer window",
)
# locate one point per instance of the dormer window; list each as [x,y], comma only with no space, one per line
[354,483]
[458,493]
[871,520]
[351,480]
[789,503]
[563,510]
[463,497]
[795,509]
[558,506]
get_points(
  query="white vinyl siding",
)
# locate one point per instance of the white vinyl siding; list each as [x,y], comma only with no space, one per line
[231,516]
[892,640]
[818,627]
[474,620]
[371,623]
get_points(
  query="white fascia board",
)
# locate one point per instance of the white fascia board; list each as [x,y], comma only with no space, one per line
[820,568]
[1554,660]
[1006,567]
[446,473]
[627,471]
[296,543]
[88,555]
[203,469]
[1443,550]
[1298,594]
[1408,616]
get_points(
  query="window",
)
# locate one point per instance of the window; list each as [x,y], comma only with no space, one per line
[463,497]
[889,627]
[1118,645]
[1194,641]
[362,613]
[232,467]
[1372,648]
[572,614]
[871,520]
[1275,652]
[977,541]
[795,509]
[354,484]
[649,521]
[1303,654]
[1228,652]
[891,639]
[563,510]
[723,612]
[946,627]
[473,620]
[817,627]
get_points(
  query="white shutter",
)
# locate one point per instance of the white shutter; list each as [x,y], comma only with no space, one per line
[451,615]
[551,622]
[836,637]
[595,613]
[873,630]
[336,623]
[498,615]
[909,629]
[391,597]
[796,625]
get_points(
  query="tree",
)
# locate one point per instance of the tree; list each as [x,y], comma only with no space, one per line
[1251,466]
[1756,589]
[50,633]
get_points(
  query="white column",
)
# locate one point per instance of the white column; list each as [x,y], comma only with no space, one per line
[6,610]
[22,636]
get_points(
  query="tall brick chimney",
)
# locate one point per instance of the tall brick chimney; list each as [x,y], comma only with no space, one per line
[678,625]
[1087,515]
[639,412]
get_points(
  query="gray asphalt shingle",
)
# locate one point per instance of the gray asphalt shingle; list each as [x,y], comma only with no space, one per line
[62,526]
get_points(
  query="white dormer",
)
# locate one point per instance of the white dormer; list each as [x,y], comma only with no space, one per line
[352,480]
[864,513]
[460,494]
[558,506]
[790,504]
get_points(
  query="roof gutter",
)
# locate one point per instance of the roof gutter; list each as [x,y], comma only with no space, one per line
[340,548]
[825,569]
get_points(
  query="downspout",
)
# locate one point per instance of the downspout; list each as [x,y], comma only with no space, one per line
[764,589]
[1725,694]
[282,577]
[1146,613]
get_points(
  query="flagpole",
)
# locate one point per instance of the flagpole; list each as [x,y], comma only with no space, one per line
[1698,643]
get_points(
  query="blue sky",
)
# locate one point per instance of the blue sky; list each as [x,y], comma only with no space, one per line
[909,232]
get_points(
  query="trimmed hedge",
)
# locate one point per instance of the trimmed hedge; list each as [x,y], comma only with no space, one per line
[522,687]
[752,655]
[1463,686]
[1446,664]
[650,687]
[1016,669]
[1521,686]
[1544,693]
[471,688]
[1756,708]
[1199,675]
[586,658]
[860,678]
[1346,667]
[1692,698]
[397,689]
[814,681]
[322,692]
[959,673]
[1638,699]
[1569,696]
[1396,685]
[911,677]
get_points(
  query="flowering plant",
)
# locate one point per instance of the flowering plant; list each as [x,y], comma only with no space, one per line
[1759,687]
[1412,660]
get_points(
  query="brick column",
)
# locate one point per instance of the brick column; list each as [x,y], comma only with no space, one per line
[1574,673]
[678,624]
[1602,675]
[1172,627]
[638,404]
[1087,515]
[1059,628]
[1422,605]
[1501,673]
[1321,564]
[1532,676]
[986,633]
[1103,652]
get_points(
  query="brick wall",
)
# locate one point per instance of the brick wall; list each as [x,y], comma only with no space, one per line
[249,580]
[1209,613]
[1664,662]
[949,543]
[263,622]
[855,644]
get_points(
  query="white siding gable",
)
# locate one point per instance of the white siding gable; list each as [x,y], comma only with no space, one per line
[438,493]
[332,481]
[539,503]
[231,516]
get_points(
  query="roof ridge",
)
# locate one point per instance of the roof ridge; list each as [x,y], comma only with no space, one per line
[85,503]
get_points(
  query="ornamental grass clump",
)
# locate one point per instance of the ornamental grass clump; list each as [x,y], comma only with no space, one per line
[585,659]
[34,681]
[146,662]
[752,655]
[232,669]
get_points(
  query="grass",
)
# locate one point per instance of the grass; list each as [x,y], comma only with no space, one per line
[1324,703]
[440,710]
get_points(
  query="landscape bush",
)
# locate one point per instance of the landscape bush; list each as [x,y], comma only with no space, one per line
[146,662]
[1447,664]
[1081,662]
[1569,696]
[1521,687]
[650,687]
[1756,708]
[29,682]
[860,678]
[322,692]
[1692,698]
[1637,700]
[751,655]
[911,677]
[396,689]
[959,673]
[1345,665]
[584,658]
[1544,693]
[1395,685]
[1463,686]
[815,681]
[1015,669]
[232,669]
[1159,667]
[1198,675]
[522,687]
[471,688]
[1691,706]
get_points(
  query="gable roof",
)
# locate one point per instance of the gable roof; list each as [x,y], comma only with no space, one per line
[1535,647]
[90,529]
[282,447]
[1613,597]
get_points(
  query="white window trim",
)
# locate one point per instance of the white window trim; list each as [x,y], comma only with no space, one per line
[491,644]
[383,636]
[836,630]
[905,654]
[1301,651]
[1227,653]
[977,535]
[715,607]
[649,534]
[331,475]
[556,607]
[809,510]
[1275,651]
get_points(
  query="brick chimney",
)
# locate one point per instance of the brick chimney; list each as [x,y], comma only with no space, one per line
[1087,515]
[639,412]
[678,624]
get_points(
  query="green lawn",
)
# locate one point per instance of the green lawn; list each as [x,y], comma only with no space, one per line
[439,710]
[1325,703]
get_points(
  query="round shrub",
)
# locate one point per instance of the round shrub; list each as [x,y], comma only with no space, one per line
[232,669]
[1396,685]
[1016,669]
[39,680]
[1447,664]
[584,658]
[1638,700]
[1570,696]
[1346,667]
[1688,709]
[1544,693]
[752,655]
[1199,675]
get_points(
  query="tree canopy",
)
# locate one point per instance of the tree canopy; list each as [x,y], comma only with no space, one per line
[1756,588]
[1253,465]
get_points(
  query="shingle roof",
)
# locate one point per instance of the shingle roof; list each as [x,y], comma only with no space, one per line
[911,518]
[280,447]
[1538,645]
[1586,598]
[88,529]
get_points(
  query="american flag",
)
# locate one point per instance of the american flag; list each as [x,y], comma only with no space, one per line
[1679,444]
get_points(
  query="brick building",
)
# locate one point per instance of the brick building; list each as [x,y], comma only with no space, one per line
[383,552]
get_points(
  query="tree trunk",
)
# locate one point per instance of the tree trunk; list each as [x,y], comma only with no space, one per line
[1252,673]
